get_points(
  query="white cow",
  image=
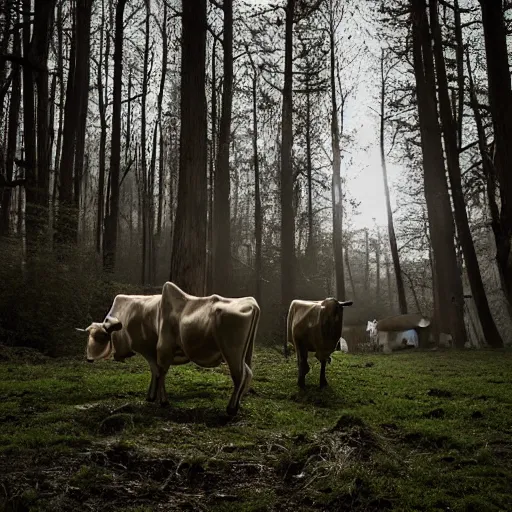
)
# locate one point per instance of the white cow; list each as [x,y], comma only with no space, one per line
[391,340]
[175,328]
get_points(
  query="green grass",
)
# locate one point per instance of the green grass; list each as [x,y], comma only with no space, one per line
[409,431]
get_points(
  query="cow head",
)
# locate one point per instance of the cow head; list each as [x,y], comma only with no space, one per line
[99,344]
[331,318]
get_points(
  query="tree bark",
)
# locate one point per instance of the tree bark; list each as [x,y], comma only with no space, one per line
[110,236]
[145,261]
[337,193]
[83,47]
[451,299]
[29,133]
[402,301]
[12,134]
[257,196]
[188,262]
[311,246]
[500,102]
[221,203]
[287,217]
[449,126]
[102,97]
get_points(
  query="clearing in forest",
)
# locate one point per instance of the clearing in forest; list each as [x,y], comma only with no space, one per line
[410,431]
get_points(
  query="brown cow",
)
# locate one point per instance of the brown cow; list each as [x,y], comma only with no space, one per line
[315,326]
[175,328]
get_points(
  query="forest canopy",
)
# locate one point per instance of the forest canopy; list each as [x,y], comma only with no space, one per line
[279,149]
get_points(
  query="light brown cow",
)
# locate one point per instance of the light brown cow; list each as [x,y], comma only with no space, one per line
[315,326]
[175,328]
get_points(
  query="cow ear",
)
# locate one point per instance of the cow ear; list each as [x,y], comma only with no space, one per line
[346,303]
[112,324]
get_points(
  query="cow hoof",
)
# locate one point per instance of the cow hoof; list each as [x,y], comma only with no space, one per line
[232,411]
[301,384]
[150,398]
[164,403]
[323,384]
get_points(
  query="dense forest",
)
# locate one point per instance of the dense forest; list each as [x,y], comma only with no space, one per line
[212,143]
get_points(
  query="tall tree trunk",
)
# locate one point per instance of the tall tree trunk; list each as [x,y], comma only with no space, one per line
[165,53]
[402,301]
[287,217]
[110,236]
[29,133]
[221,203]
[451,299]
[12,134]
[337,193]
[38,56]
[211,175]
[102,95]
[388,281]
[144,167]
[311,246]
[60,72]
[188,261]
[84,13]
[257,196]
[449,126]
[500,102]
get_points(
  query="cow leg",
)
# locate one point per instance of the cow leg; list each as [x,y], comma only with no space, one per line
[153,386]
[161,392]
[242,377]
[302,363]
[323,380]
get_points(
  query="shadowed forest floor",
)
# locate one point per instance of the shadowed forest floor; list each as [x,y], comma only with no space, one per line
[410,431]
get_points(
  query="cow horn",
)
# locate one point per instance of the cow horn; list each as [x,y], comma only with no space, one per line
[347,303]
[80,330]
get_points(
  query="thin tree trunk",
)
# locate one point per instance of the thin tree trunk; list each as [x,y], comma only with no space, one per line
[213,146]
[349,270]
[311,247]
[12,135]
[221,204]
[84,13]
[110,237]
[29,134]
[402,301]
[165,52]
[144,168]
[257,194]
[102,95]
[377,260]
[449,126]
[337,193]
[287,217]
[39,46]
[188,261]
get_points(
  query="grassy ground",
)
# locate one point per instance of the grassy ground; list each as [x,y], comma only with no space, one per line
[410,431]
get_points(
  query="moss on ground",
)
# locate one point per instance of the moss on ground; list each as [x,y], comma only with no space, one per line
[410,431]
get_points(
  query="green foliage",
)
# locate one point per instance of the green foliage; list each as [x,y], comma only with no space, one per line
[43,301]
[80,435]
